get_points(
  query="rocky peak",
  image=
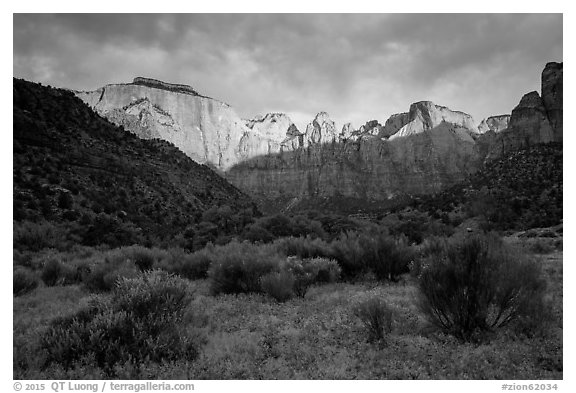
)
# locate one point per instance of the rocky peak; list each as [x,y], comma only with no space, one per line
[394,123]
[425,115]
[347,131]
[536,119]
[494,123]
[552,92]
[372,127]
[275,126]
[321,130]
[529,120]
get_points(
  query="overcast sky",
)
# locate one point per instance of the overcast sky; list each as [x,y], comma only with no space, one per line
[355,67]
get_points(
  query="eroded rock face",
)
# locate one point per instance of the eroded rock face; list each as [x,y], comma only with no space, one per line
[270,134]
[274,126]
[528,125]
[370,169]
[394,124]
[207,130]
[494,123]
[534,120]
[552,92]
[321,130]
[425,115]
[347,131]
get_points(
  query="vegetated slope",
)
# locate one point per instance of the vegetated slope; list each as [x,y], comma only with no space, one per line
[521,190]
[96,183]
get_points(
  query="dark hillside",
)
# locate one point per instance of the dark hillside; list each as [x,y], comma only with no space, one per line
[79,176]
[521,190]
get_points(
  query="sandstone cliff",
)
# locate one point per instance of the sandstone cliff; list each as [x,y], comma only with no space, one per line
[425,115]
[368,169]
[320,130]
[552,82]
[534,120]
[424,150]
[394,124]
[207,130]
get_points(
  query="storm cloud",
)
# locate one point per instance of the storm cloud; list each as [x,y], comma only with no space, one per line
[356,67]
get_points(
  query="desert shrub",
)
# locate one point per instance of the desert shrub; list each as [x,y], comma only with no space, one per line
[140,321]
[323,270]
[238,267]
[303,277]
[23,281]
[310,271]
[104,275]
[51,272]
[72,274]
[429,248]
[192,266]
[32,236]
[387,258]
[22,258]
[376,316]
[143,258]
[255,233]
[349,252]
[378,252]
[279,285]
[303,247]
[477,286]
[541,247]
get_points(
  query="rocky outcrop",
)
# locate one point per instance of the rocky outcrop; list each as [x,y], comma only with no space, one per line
[394,124]
[372,127]
[529,122]
[552,87]
[270,134]
[425,115]
[347,131]
[206,130]
[494,123]
[528,126]
[321,130]
[273,126]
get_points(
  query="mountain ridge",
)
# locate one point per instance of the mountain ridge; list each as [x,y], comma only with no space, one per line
[97,183]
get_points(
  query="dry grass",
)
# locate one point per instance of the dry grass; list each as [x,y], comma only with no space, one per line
[251,336]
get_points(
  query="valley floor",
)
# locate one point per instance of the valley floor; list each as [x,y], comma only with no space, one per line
[318,337]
